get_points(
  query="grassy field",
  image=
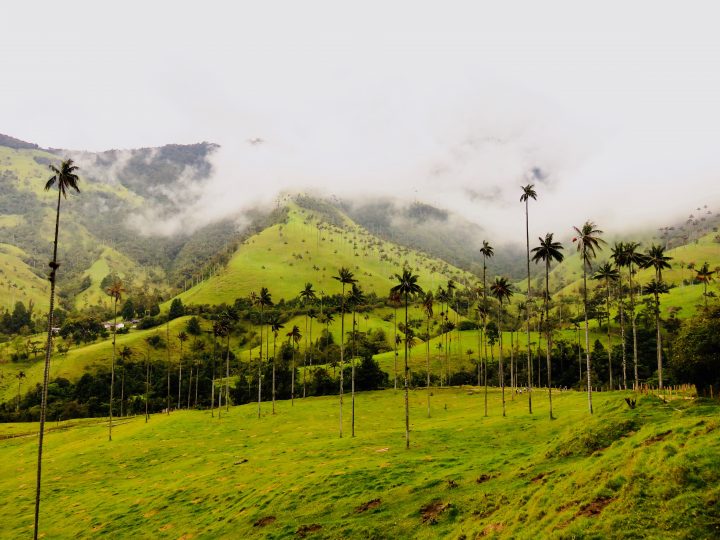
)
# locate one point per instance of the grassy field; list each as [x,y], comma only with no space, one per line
[652,472]
[19,283]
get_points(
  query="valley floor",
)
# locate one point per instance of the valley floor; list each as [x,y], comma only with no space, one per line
[651,472]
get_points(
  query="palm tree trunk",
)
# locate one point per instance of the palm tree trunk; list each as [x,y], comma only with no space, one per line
[342,354]
[527,307]
[396,348]
[512,366]
[587,339]
[46,370]
[260,361]
[501,370]
[427,366]
[112,370]
[634,329]
[548,334]
[122,390]
[607,307]
[227,373]
[622,339]
[292,378]
[485,364]
[147,385]
[167,338]
[273,371]
[305,355]
[659,340]
[180,373]
[407,373]
[189,387]
[352,379]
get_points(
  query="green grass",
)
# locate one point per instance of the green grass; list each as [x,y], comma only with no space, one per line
[286,256]
[652,472]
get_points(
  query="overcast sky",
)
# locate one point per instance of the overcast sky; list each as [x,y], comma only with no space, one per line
[616,107]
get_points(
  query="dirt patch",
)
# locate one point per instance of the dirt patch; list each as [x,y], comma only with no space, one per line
[382,449]
[492,529]
[303,531]
[452,484]
[540,476]
[150,514]
[370,505]
[267,520]
[166,527]
[657,438]
[243,460]
[484,478]
[431,511]
[595,507]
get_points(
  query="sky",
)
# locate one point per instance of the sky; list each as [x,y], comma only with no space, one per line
[610,108]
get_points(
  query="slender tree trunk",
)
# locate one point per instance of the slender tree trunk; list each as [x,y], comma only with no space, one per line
[197,381]
[427,366]
[607,307]
[147,386]
[485,364]
[273,371]
[212,389]
[352,379]
[634,329]
[659,341]
[167,338]
[305,356]
[112,370]
[227,373]
[501,370]
[189,387]
[396,344]
[527,307]
[407,374]
[180,359]
[587,339]
[342,355]
[292,378]
[622,339]
[260,361]
[46,371]
[548,334]
[512,366]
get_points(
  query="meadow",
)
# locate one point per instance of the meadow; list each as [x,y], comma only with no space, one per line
[651,472]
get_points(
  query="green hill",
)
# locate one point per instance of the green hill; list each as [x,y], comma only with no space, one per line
[306,248]
[652,472]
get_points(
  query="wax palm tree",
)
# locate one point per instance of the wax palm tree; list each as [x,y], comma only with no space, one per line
[548,251]
[656,259]
[452,297]
[220,329]
[487,251]
[115,291]
[345,277]
[407,286]
[656,288]
[588,244]
[427,306]
[125,354]
[528,193]
[356,298]
[484,312]
[182,338]
[617,256]
[275,327]
[632,258]
[501,290]
[307,295]
[263,300]
[65,178]
[153,342]
[230,317]
[607,273]
[294,338]
[704,275]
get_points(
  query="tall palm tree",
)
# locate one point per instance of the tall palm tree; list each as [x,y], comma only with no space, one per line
[618,250]
[502,290]
[345,277]
[427,306]
[115,291]
[275,327]
[484,312]
[65,178]
[608,274]
[294,337]
[307,295]
[230,317]
[220,329]
[487,251]
[125,354]
[356,298]
[704,275]
[548,251]
[407,286]
[656,259]
[632,258]
[528,193]
[312,315]
[182,338]
[263,300]
[588,244]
